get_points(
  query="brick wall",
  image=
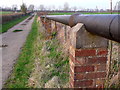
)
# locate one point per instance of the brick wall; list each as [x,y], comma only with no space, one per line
[87,53]
[87,67]
[63,34]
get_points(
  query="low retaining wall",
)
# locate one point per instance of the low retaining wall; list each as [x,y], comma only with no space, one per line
[88,54]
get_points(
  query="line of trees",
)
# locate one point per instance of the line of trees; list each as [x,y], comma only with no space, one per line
[65,7]
[23,8]
[117,6]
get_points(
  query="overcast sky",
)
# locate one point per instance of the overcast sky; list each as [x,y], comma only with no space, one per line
[101,4]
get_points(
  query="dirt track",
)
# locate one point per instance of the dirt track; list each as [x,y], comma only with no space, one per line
[12,42]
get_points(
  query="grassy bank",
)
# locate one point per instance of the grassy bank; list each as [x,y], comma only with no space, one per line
[24,64]
[10,24]
[40,61]
[103,13]
[61,13]
[51,68]
[5,12]
[81,13]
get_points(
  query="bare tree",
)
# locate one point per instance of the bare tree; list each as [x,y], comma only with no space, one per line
[24,8]
[59,8]
[66,6]
[49,8]
[31,7]
[119,5]
[88,9]
[7,8]
[53,7]
[14,7]
[42,7]
[74,8]
[96,9]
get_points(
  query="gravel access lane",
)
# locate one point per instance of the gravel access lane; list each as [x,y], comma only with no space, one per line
[12,42]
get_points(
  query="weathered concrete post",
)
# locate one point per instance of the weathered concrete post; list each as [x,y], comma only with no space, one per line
[88,58]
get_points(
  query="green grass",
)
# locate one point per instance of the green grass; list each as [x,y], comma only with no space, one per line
[50,61]
[17,30]
[10,24]
[81,13]
[24,64]
[5,12]
[61,61]
[101,13]
[60,13]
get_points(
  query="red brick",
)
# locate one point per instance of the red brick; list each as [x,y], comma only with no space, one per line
[83,83]
[72,65]
[84,69]
[71,82]
[80,61]
[70,85]
[95,75]
[92,60]
[100,67]
[101,60]
[72,58]
[99,83]
[102,52]
[85,52]
[87,61]
[90,75]
[71,73]
[79,76]
[97,60]
[72,50]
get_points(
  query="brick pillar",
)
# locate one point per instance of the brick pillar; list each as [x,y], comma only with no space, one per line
[88,58]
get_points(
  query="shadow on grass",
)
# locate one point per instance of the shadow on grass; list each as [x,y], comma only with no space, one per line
[17,30]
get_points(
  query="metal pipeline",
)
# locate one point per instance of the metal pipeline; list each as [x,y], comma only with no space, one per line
[105,25]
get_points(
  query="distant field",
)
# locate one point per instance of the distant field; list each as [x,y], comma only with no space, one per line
[60,13]
[102,13]
[81,13]
[5,12]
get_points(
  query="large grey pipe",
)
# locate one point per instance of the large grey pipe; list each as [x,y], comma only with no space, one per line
[105,25]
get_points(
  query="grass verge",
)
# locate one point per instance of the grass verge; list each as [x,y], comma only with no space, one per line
[82,13]
[61,13]
[50,62]
[102,13]
[5,12]
[17,30]
[24,64]
[59,61]
[10,24]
